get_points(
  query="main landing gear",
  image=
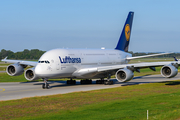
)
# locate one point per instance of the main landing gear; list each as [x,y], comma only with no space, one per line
[71,82]
[108,81]
[89,81]
[45,84]
[105,82]
[86,81]
[100,81]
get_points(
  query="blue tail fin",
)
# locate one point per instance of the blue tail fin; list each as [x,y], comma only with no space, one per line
[124,39]
[175,59]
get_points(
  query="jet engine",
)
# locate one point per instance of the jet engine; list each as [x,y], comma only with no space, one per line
[124,75]
[15,69]
[169,71]
[30,74]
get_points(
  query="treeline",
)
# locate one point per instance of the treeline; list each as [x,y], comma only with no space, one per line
[161,56]
[35,54]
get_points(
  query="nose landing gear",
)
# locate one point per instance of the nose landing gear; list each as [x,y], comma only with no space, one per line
[45,84]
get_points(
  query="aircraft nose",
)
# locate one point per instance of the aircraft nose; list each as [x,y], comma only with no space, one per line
[38,70]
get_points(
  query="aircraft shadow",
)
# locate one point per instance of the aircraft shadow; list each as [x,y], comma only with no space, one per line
[172,82]
[115,81]
[141,76]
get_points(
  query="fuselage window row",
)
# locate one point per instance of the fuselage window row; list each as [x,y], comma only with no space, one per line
[44,62]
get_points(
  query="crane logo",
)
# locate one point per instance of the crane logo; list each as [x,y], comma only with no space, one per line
[127,32]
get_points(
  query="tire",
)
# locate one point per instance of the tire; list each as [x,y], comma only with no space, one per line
[47,86]
[68,82]
[74,82]
[81,81]
[102,82]
[105,82]
[43,86]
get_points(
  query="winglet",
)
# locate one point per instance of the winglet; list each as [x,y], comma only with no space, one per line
[4,58]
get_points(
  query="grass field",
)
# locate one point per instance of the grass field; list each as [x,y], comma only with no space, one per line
[2,68]
[121,103]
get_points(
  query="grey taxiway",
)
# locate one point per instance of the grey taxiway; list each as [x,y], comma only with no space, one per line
[14,90]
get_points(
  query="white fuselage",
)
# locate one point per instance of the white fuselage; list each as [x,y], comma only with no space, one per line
[62,63]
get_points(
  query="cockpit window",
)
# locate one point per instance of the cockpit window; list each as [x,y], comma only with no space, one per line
[47,62]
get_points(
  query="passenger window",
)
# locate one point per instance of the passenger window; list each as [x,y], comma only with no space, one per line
[47,62]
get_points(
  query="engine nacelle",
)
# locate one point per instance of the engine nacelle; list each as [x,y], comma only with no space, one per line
[169,71]
[124,75]
[30,74]
[14,70]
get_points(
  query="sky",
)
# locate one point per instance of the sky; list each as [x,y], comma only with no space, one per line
[45,24]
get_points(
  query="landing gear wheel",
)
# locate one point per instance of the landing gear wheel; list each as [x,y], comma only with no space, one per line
[47,86]
[87,81]
[108,82]
[100,81]
[43,86]
[71,82]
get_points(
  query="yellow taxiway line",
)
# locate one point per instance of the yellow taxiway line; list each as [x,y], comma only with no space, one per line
[2,89]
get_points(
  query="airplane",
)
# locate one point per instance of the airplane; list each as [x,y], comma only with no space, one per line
[90,63]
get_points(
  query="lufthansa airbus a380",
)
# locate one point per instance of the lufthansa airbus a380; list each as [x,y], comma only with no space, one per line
[90,63]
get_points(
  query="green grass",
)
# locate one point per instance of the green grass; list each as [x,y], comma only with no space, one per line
[130,102]
[4,77]
[2,68]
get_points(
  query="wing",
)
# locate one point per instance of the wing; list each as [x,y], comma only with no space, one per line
[22,62]
[99,70]
[137,65]
[144,56]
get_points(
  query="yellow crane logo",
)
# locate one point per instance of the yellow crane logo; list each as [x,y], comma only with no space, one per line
[127,32]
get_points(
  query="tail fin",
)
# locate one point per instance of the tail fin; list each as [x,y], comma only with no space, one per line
[124,39]
[175,59]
